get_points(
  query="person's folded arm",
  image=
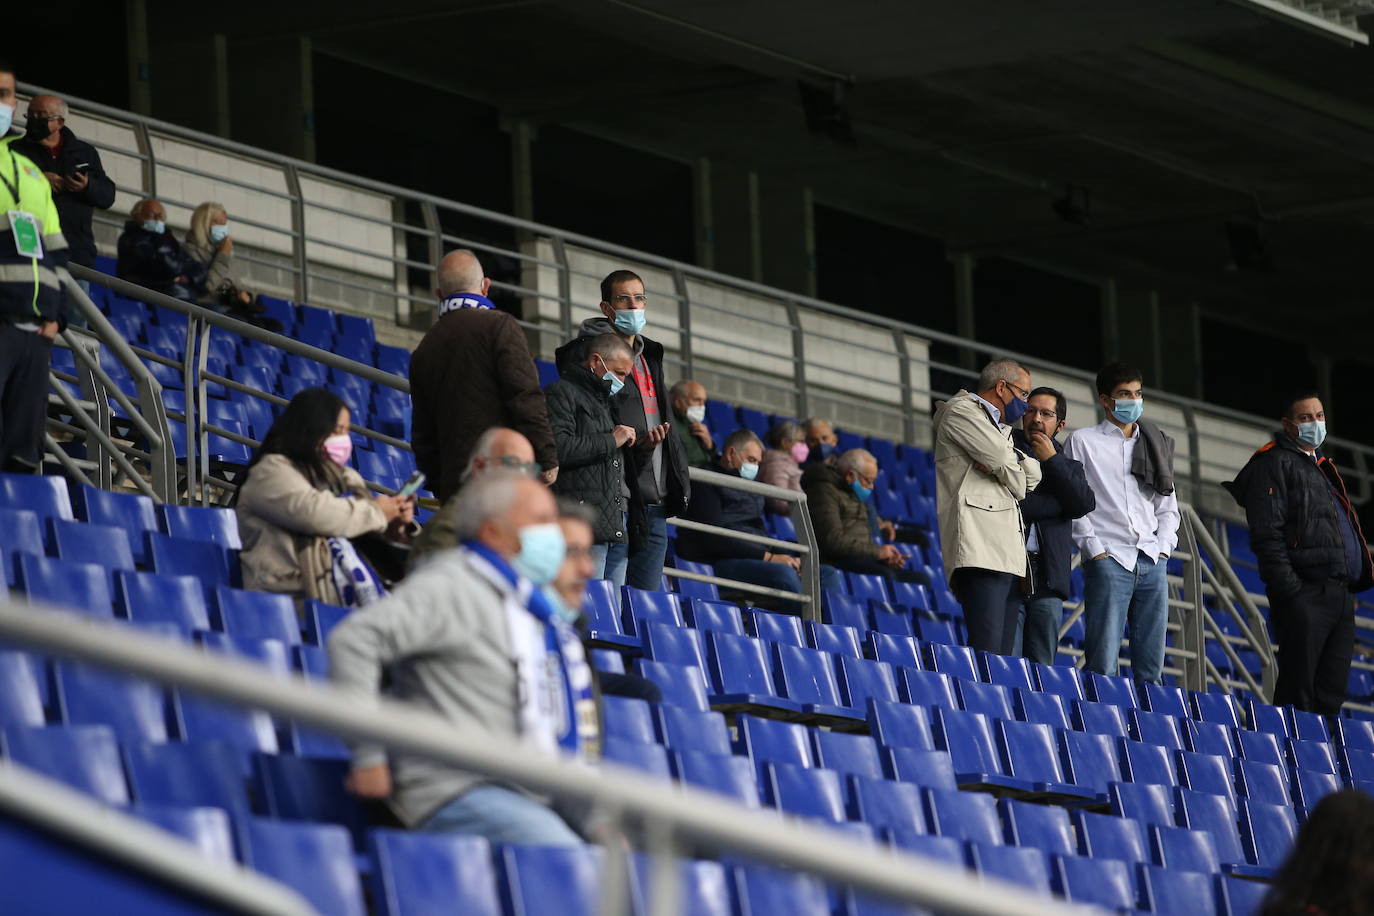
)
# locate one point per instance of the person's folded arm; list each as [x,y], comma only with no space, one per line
[284,498]
[985,445]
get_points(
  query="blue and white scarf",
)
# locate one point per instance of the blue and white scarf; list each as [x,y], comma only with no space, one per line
[354,578]
[557,706]
[464,301]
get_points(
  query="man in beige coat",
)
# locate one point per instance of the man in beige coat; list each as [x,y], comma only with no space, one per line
[980,481]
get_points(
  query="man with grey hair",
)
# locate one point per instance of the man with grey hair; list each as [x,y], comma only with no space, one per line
[837,496]
[472,371]
[981,479]
[473,639]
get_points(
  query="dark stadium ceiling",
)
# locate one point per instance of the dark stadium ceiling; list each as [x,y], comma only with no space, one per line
[969,118]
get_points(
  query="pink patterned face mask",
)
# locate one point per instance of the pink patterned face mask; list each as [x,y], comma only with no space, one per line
[339,449]
[800,452]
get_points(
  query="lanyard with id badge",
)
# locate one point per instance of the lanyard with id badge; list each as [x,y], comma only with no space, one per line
[28,241]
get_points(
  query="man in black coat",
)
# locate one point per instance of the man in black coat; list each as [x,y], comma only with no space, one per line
[656,467]
[591,448]
[1312,557]
[150,255]
[1048,512]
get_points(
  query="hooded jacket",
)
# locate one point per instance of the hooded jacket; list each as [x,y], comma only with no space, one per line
[75,208]
[1294,530]
[591,467]
[628,411]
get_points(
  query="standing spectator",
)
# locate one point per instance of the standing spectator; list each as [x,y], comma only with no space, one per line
[782,462]
[980,480]
[472,371]
[1312,555]
[301,504]
[209,242]
[150,256]
[1126,540]
[656,464]
[1330,869]
[474,640]
[836,496]
[30,296]
[1062,496]
[689,423]
[821,440]
[591,448]
[78,180]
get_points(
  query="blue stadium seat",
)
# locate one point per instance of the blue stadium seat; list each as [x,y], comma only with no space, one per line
[540,879]
[1025,867]
[601,605]
[201,523]
[1239,897]
[85,757]
[1104,882]
[803,792]
[861,679]
[200,719]
[1118,691]
[767,740]
[728,775]
[310,661]
[1146,763]
[1035,706]
[926,688]
[964,815]
[807,677]
[623,717]
[1215,707]
[895,650]
[1306,726]
[321,618]
[899,725]
[766,891]
[1099,718]
[134,709]
[1357,734]
[87,541]
[703,888]
[1358,765]
[65,583]
[691,588]
[921,767]
[176,773]
[1154,728]
[1062,680]
[1310,787]
[648,758]
[1183,849]
[690,729]
[208,562]
[715,615]
[272,654]
[1005,670]
[969,740]
[1169,891]
[1216,815]
[1206,773]
[680,685]
[20,532]
[151,598]
[956,661]
[939,628]
[1171,701]
[990,700]
[1260,746]
[834,639]
[1107,836]
[1145,802]
[421,874]
[1311,755]
[779,628]
[21,696]
[675,645]
[844,610]
[912,595]
[1266,832]
[659,607]
[1028,754]
[886,803]
[847,753]
[895,622]
[303,789]
[864,586]
[313,859]
[257,615]
[1089,760]
[1261,781]
[937,848]
[207,828]
[1045,828]
[1208,738]
[43,495]
[741,675]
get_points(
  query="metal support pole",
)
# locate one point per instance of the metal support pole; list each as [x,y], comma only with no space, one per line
[684,323]
[560,254]
[964,264]
[1111,320]
[904,373]
[1191,635]
[298,246]
[798,359]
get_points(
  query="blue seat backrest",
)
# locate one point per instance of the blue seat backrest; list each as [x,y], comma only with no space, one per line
[423,873]
[85,757]
[207,828]
[767,740]
[135,709]
[765,891]
[1089,760]
[1106,836]
[21,695]
[1026,867]
[779,628]
[45,496]
[900,724]
[846,752]
[704,614]
[1035,706]
[1005,670]
[728,775]
[895,650]
[806,675]
[1058,679]
[965,815]
[321,618]
[539,879]
[804,791]
[200,719]
[991,700]
[886,803]
[105,545]
[862,679]
[1105,882]
[302,789]
[956,661]
[181,773]
[1043,827]
[313,859]
[257,615]
[833,638]
[844,610]
[692,729]
[680,685]
[624,717]
[210,563]
[21,532]
[926,688]
[66,584]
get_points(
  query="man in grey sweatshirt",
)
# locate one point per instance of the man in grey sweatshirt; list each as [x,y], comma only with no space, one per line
[470,637]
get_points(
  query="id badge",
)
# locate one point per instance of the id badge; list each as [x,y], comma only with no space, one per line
[27,240]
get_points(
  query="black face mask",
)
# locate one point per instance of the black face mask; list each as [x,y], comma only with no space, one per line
[36,129]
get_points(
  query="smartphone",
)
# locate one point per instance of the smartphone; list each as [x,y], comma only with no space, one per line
[412,485]
[81,167]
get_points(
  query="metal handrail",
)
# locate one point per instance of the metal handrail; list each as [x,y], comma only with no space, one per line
[678,820]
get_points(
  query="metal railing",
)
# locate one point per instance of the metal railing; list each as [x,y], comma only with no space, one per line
[673,824]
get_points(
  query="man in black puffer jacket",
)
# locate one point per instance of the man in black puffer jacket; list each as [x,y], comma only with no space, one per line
[1312,556]
[591,447]
[150,255]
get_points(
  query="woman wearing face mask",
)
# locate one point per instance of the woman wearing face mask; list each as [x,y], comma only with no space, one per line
[209,242]
[781,466]
[301,504]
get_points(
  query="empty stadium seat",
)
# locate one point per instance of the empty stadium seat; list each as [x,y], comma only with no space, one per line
[766,891]
[1104,882]
[188,774]
[680,685]
[779,628]
[152,598]
[715,615]
[728,775]
[200,719]
[303,789]
[886,803]
[803,791]
[65,583]
[929,768]
[85,757]
[847,753]
[1045,828]
[767,740]
[313,859]
[895,650]
[1107,836]
[1026,867]
[257,615]
[201,523]
[742,675]
[134,709]
[20,532]
[648,758]
[21,699]
[208,562]
[44,496]
[964,815]
[425,873]
[541,880]
[690,729]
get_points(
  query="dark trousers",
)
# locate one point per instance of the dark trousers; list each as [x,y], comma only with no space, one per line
[990,620]
[1315,632]
[23,397]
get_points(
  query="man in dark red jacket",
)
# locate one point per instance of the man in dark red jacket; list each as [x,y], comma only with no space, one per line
[472,371]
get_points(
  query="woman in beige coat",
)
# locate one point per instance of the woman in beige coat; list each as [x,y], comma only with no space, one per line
[301,503]
[210,243]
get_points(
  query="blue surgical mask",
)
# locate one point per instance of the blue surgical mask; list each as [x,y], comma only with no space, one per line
[541,552]
[748,471]
[609,376]
[630,321]
[822,451]
[1014,411]
[864,493]
[569,614]
[219,233]
[155,226]
[1312,433]
[6,119]
[1128,410]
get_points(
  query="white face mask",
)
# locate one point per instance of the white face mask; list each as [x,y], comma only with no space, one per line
[696,413]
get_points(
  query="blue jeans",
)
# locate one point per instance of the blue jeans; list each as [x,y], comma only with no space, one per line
[645,569]
[1037,627]
[502,816]
[610,559]
[1114,597]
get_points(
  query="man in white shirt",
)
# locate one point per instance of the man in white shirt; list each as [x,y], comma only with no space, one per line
[1126,540]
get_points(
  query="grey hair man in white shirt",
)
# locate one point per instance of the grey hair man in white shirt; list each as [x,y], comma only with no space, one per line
[1126,540]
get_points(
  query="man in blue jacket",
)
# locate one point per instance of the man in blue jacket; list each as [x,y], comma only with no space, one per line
[1048,512]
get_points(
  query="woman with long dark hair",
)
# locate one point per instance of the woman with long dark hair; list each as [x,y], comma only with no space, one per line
[301,503]
[1330,871]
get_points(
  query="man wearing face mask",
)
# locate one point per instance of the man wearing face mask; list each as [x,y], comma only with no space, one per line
[1126,540]
[837,495]
[32,247]
[151,256]
[1312,556]
[656,465]
[689,423]
[981,477]
[821,441]
[592,446]
[471,637]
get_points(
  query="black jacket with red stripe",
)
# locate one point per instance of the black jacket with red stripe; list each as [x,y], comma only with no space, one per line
[1294,530]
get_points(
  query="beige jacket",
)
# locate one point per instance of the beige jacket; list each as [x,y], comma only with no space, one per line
[980,513]
[284,520]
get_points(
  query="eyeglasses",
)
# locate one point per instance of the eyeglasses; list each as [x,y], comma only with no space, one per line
[1043,414]
[1021,393]
[513,463]
[39,116]
[625,299]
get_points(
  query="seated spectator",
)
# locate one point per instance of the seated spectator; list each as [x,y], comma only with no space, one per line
[821,440]
[689,415]
[837,497]
[150,256]
[209,242]
[301,504]
[498,448]
[781,466]
[473,639]
[591,447]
